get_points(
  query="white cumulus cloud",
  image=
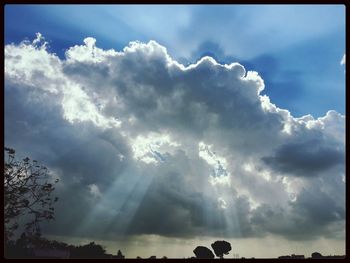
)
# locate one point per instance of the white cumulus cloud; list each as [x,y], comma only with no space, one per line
[198,123]
[342,62]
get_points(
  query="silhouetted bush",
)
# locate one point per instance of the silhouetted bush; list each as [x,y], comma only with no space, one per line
[90,250]
[203,252]
[119,255]
[316,255]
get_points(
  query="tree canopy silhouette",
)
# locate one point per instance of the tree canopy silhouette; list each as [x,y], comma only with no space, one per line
[203,252]
[91,250]
[120,255]
[27,194]
[221,248]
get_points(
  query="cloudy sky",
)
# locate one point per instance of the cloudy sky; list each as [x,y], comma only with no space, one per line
[175,126]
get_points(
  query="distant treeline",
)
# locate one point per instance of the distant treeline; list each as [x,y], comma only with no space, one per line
[37,247]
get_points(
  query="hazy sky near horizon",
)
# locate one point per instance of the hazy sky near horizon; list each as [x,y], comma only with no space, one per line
[184,124]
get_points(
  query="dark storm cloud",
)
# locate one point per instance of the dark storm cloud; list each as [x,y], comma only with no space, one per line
[175,203]
[172,208]
[305,159]
[313,214]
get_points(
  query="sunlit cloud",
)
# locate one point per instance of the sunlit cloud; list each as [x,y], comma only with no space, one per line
[149,146]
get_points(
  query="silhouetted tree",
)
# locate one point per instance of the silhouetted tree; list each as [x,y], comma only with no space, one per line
[40,242]
[221,247]
[316,255]
[203,252]
[27,194]
[16,249]
[24,245]
[90,250]
[120,255]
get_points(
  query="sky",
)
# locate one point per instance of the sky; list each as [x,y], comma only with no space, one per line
[175,126]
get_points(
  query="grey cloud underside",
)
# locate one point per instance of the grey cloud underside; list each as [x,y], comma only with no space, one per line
[174,207]
[305,159]
[147,92]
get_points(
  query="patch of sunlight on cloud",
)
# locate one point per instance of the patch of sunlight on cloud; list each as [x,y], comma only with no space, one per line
[222,203]
[152,148]
[250,168]
[219,174]
[78,107]
[94,190]
[293,186]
